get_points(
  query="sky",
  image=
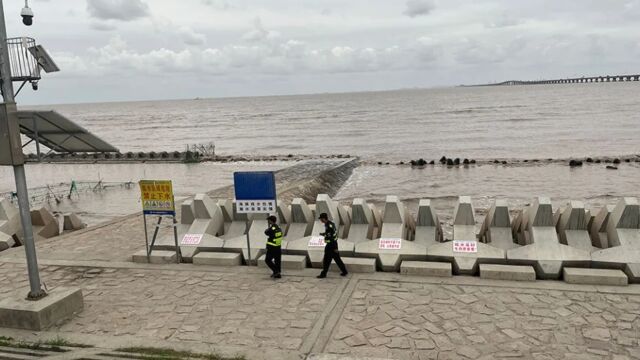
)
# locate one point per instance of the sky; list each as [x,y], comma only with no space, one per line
[120,50]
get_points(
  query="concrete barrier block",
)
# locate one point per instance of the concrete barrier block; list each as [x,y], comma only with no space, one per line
[217,259]
[496,228]
[356,265]
[302,220]
[546,253]
[425,268]
[463,214]
[45,225]
[9,218]
[595,276]
[6,241]
[205,208]
[428,229]
[623,233]
[288,262]
[187,212]
[598,229]
[626,215]
[72,222]
[507,272]
[395,228]
[156,257]
[540,213]
[257,240]
[572,227]
[363,222]
[465,263]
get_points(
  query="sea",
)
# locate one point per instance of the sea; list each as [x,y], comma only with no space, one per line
[510,123]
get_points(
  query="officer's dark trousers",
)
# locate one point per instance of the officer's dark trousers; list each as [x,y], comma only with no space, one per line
[273,258]
[331,253]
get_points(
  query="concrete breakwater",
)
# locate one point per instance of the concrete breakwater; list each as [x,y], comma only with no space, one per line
[538,242]
[170,157]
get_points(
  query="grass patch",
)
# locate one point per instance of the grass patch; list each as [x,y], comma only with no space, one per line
[54,345]
[170,354]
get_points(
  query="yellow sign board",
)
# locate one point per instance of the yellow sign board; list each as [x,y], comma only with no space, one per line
[157,197]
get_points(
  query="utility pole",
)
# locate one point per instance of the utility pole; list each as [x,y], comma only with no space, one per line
[36,292]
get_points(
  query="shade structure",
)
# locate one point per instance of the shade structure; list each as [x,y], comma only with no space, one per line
[60,134]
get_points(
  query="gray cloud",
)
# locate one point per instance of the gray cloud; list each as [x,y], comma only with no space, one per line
[418,7]
[124,10]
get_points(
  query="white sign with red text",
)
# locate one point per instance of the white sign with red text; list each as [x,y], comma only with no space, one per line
[390,244]
[317,241]
[465,246]
[191,239]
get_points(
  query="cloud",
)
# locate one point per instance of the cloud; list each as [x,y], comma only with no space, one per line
[102,26]
[191,37]
[124,10]
[418,8]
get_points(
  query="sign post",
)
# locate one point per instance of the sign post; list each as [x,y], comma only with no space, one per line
[255,194]
[157,199]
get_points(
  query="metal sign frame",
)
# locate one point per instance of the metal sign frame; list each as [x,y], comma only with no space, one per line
[161,203]
[255,193]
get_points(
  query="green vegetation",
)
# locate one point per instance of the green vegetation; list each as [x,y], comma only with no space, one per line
[170,354]
[48,345]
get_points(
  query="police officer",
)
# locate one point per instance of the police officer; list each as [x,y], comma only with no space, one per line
[274,242]
[330,248]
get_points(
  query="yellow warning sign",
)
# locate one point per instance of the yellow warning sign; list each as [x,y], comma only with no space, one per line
[157,197]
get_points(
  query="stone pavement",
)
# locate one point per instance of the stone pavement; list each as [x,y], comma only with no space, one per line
[240,310]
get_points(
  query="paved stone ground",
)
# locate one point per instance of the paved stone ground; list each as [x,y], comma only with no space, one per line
[408,320]
[241,310]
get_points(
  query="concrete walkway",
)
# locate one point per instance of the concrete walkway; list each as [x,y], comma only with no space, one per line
[241,310]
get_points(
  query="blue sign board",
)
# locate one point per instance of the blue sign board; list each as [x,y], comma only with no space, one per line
[255,192]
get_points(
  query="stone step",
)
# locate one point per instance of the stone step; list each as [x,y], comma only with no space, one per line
[29,353]
[356,265]
[595,276]
[289,262]
[426,268]
[217,259]
[156,257]
[507,272]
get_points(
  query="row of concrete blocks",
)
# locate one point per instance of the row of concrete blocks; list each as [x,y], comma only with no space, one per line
[536,237]
[570,275]
[45,225]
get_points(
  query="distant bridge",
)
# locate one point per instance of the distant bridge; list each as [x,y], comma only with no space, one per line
[580,80]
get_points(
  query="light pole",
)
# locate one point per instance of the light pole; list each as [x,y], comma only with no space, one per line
[36,292]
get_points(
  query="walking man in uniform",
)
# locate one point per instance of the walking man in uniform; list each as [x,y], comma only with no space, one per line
[330,248]
[274,242]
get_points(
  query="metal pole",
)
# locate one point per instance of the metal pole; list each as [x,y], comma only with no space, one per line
[36,291]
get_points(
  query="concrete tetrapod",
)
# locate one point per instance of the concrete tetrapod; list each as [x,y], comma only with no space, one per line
[394,245]
[301,220]
[547,255]
[465,263]
[235,224]
[572,227]
[496,228]
[208,222]
[257,240]
[313,245]
[623,232]
[363,223]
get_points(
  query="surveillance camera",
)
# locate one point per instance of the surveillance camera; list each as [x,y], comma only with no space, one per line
[34,85]
[27,16]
